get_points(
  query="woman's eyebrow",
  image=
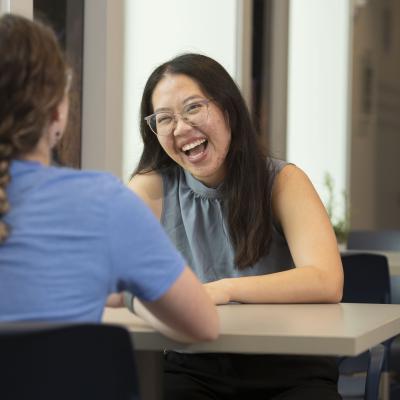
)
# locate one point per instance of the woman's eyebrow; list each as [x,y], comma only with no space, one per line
[193,97]
[162,109]
[187,100]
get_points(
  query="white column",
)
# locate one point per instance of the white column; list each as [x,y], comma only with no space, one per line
[318,88]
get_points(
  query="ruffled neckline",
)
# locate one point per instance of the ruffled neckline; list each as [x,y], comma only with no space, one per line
[200,189]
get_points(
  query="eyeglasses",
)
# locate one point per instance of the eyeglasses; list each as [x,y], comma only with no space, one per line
[162,123]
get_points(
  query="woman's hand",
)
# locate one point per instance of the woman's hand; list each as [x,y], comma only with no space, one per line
[218,291]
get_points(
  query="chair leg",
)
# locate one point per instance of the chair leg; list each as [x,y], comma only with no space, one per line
[384,387]
[376,359]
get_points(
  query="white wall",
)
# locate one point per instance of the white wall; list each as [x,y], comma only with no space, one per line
[4,6]
[21,7]
[156,31]
[318,88]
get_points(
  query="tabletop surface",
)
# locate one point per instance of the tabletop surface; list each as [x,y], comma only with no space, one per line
[314,329]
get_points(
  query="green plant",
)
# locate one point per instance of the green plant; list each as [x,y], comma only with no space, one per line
[341,224]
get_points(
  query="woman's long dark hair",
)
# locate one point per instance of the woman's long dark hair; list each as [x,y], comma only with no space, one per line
[32,84]
[246,187]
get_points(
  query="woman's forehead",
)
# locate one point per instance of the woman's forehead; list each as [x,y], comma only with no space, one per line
[176,89]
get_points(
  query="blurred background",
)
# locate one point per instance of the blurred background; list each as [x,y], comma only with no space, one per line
[319,76]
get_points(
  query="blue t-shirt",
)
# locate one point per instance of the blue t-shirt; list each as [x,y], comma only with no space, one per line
[75,238]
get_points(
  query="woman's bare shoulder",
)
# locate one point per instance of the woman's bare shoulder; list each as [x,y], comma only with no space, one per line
[149,187]
[291,187]
[289,174]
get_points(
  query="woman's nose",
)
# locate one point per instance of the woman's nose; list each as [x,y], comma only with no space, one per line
[181,126]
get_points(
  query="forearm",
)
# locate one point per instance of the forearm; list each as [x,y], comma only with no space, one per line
[136,307]
[299,285]
[184,313]
[141,311]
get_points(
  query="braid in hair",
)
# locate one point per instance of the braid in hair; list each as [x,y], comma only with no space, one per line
[5,151]
[32,83]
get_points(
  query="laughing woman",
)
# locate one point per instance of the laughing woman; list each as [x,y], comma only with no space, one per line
[252,227]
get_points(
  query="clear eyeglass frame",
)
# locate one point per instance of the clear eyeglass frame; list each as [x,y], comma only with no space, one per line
[184,115]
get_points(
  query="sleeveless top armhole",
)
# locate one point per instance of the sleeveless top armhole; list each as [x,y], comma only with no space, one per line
[275,166]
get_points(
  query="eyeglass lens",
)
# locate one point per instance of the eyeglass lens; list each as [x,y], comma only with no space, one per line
[163,123]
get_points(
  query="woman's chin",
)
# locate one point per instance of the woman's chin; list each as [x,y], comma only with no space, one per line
[210,177]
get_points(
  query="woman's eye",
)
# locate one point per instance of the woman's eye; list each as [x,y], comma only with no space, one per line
[193,108]
[163,119]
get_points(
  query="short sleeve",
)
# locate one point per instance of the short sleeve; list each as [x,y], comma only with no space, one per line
[143,259]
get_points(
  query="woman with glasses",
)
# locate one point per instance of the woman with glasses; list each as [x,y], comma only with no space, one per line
[70,238]
[252,227]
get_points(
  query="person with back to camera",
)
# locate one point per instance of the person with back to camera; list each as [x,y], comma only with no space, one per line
[70,238]
[252,227]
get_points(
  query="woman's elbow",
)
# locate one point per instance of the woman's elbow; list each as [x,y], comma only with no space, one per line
[335,295]
[208,331]
[334,289]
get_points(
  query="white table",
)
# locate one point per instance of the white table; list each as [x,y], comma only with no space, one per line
[309,329]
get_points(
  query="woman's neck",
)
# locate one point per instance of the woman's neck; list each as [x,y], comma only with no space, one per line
[41,153]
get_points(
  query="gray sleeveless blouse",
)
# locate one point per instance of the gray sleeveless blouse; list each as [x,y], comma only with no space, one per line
[193,218]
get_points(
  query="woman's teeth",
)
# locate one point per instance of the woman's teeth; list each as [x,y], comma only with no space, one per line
[192,145]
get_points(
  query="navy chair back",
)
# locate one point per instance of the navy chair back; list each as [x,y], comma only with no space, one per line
[83,361]
[366,279]
[383,240]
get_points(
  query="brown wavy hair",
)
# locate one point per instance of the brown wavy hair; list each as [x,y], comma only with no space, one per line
[246,188]
[32,83]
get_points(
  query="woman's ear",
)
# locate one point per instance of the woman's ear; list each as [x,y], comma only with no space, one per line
[58,121]
[54,138]
[54,131]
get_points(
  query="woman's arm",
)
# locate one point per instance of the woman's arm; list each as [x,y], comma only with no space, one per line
[318,276]
[185,313]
